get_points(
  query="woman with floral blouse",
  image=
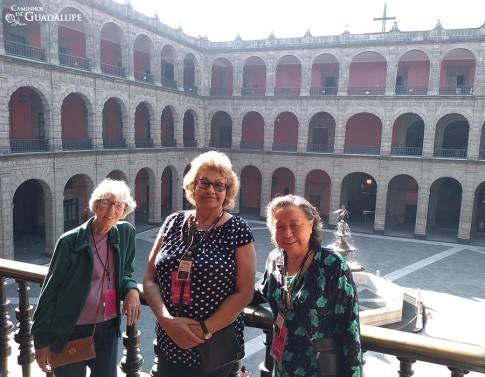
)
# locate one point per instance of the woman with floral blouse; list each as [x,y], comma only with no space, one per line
[312,297]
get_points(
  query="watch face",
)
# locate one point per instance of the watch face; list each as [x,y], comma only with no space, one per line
[207,336]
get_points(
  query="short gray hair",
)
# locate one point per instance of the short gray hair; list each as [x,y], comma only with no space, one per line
[110,187]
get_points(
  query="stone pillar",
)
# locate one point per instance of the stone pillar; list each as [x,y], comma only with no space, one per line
[335,199]
[97,125]
[96,48]
[270,77]
[236,133]
[391,72]
[466,212]
[386,138]
[129,127]
[343,79]
[178,72]
[177,191]
[339,138]
[6,225]
[56,126]
[434,76]
[268,134]
[422,211]
[155,199]
[380,210]
[265,190]
[50,41]
[428,138]
[474,135]
[302,136]
[155,130]
[236,76]
[305,84]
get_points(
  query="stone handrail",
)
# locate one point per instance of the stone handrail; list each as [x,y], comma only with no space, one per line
[460,358]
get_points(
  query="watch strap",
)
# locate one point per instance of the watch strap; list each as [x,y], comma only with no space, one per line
[207,333]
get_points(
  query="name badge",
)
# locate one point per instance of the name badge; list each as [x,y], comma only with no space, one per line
[110,304]
[278,346]
[177,290]
[185,267]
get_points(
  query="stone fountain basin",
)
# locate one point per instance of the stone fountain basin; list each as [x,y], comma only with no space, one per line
[380,301]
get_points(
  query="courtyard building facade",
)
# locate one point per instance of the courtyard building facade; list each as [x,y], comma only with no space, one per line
[389,124]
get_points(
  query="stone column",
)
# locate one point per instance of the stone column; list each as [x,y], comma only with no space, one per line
[386,139]
[265,190]
[268,134]
[474,134]
[305,78]
[422,211]
[466,212]
[302,136]
[391,72]
[236,76]
[56,126]
[339,138]
[236,133]
[428,138]
[155,130]
[380,210]
[434,76]
[96,48]
[335,204]
[155,199]
[177,191]
[343,79]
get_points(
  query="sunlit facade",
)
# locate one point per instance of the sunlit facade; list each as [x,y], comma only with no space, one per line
[392,124]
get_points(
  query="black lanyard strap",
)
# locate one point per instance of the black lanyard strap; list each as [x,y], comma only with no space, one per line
[288,288]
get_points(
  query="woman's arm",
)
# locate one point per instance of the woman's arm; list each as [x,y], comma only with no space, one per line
[131,301]
[176,327]
[234,304]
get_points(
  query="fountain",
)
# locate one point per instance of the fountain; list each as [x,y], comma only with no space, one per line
[381,302]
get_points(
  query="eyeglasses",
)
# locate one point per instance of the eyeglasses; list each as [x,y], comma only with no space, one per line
[218,186]
[105,203]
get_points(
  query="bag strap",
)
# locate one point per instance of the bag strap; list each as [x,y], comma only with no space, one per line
[99,306]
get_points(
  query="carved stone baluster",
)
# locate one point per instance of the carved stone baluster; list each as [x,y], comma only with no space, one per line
[457,372]
[132,361]
[6,328]
[266,367]
[405,366]
[23,337]
[154,370]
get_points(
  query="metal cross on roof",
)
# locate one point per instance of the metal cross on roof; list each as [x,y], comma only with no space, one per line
[384,18]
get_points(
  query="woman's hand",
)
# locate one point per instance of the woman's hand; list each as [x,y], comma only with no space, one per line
[181,331]
[43,357]
[132,307]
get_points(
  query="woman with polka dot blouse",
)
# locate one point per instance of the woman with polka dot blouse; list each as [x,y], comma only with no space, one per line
[200,273]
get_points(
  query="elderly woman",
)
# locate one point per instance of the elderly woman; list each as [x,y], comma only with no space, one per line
[90,272]
[311,294]
[197,291]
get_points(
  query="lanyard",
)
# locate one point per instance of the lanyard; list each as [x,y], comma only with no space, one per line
[106,264]
[191,231]
[288,288]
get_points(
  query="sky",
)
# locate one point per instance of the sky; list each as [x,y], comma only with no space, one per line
[223,20]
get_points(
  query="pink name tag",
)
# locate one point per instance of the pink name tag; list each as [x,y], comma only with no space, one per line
[279,344]
[110,304]
[177,288]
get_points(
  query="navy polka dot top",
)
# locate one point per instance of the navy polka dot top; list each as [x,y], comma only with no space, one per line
[213,275]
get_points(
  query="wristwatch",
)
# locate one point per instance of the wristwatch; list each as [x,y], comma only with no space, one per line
[207,333]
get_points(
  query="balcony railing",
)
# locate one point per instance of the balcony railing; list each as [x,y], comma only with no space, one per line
[143,143]
[450,153]
[411,90]
[74,62]
[169,83]
[25,51]
[191,143]
[77,144]
[253,92]
[358,149]
[320,148]
[191,89]
[114,143]
[251,146]
[143,77]
[226,144]
[113,70]
[284,147]
[457,90]
[459,358]
[287,92]
[406,151]
[29,145]
[221,92]
[366,90]
[169,143]
[323,91]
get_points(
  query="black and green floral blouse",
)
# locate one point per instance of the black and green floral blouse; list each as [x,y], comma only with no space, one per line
[324,302]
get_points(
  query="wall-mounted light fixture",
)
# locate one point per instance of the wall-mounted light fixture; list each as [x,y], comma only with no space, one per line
[22,98]
[368,181]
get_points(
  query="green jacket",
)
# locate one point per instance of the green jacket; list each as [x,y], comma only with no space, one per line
[67,283]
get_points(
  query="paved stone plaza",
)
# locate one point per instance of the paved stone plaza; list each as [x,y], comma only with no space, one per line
[449,275]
